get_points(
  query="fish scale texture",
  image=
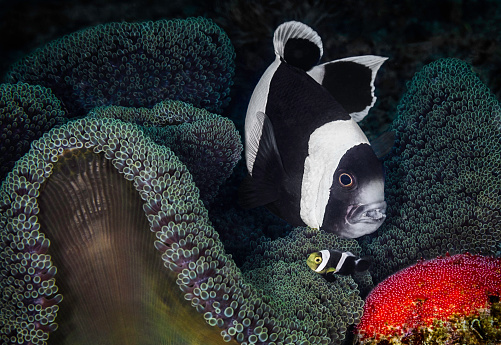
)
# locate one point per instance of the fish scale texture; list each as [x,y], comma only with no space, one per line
[443,186]
[134,64]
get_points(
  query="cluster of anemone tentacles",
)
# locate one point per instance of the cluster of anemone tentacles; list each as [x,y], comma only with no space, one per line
[26,112]
[451,299]
[79,158]
[103,226]
[134,65]
[442,176]
[207,143]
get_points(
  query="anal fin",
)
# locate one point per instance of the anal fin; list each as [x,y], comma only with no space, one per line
[362,264]
[331,277]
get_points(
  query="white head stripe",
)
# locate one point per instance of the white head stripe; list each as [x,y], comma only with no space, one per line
[342,260]
[326,147]
[325,259]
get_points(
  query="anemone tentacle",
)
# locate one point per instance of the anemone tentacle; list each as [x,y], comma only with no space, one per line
[443,182]
[64,216]
[208,144]
[436,301]
[26,112]
[134,64]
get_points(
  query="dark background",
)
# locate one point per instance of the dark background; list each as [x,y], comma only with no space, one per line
[411,33]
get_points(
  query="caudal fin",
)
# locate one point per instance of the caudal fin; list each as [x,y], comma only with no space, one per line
[298,45]
[351,82]
[363,264]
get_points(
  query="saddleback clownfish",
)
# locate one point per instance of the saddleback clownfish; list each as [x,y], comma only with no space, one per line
[308,160]
[337,262]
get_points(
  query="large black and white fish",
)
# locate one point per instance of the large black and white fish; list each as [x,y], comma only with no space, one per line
[308,160]
[337,262]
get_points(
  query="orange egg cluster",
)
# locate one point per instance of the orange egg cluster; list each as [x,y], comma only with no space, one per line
[439,289]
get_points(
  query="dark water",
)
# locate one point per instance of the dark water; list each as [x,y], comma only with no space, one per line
[410,33]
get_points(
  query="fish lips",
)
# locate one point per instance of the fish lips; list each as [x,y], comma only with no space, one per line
[368,213]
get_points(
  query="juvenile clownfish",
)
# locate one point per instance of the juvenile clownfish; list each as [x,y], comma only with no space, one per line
[335,261]
[308,160]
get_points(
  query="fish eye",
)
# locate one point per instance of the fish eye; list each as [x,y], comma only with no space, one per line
[346,180]
[318,260]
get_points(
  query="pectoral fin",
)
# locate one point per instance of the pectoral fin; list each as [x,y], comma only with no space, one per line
[262,187]
[383,144]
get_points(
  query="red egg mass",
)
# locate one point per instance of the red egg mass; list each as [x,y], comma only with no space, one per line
[439,289]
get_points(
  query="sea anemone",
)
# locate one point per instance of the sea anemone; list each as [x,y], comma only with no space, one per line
[432,301]
[77,250]
[81,215]
[26,112]
[442,176]
[134,64]
[208,144]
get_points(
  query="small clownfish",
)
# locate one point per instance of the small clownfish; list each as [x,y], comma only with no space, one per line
[308,160]
[335,261]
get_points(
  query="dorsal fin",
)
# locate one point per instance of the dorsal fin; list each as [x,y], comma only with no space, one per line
[351,82]
[298,45]
[262,187]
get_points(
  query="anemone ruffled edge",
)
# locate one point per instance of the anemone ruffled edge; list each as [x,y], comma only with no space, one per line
[188,243]
[208,144]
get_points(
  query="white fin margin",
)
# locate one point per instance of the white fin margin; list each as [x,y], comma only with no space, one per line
[373,62]
[253,137]
[294,29]
[253,123]
[326,147]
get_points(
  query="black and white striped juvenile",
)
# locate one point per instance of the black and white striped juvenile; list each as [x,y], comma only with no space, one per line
[335,261]
[308,160]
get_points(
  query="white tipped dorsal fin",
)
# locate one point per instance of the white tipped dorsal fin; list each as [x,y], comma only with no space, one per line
[356,95]
[371,61]
[307,50]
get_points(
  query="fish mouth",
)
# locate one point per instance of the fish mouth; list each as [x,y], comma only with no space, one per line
[374,213]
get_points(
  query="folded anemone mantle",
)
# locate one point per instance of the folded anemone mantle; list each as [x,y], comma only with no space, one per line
[81,214]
